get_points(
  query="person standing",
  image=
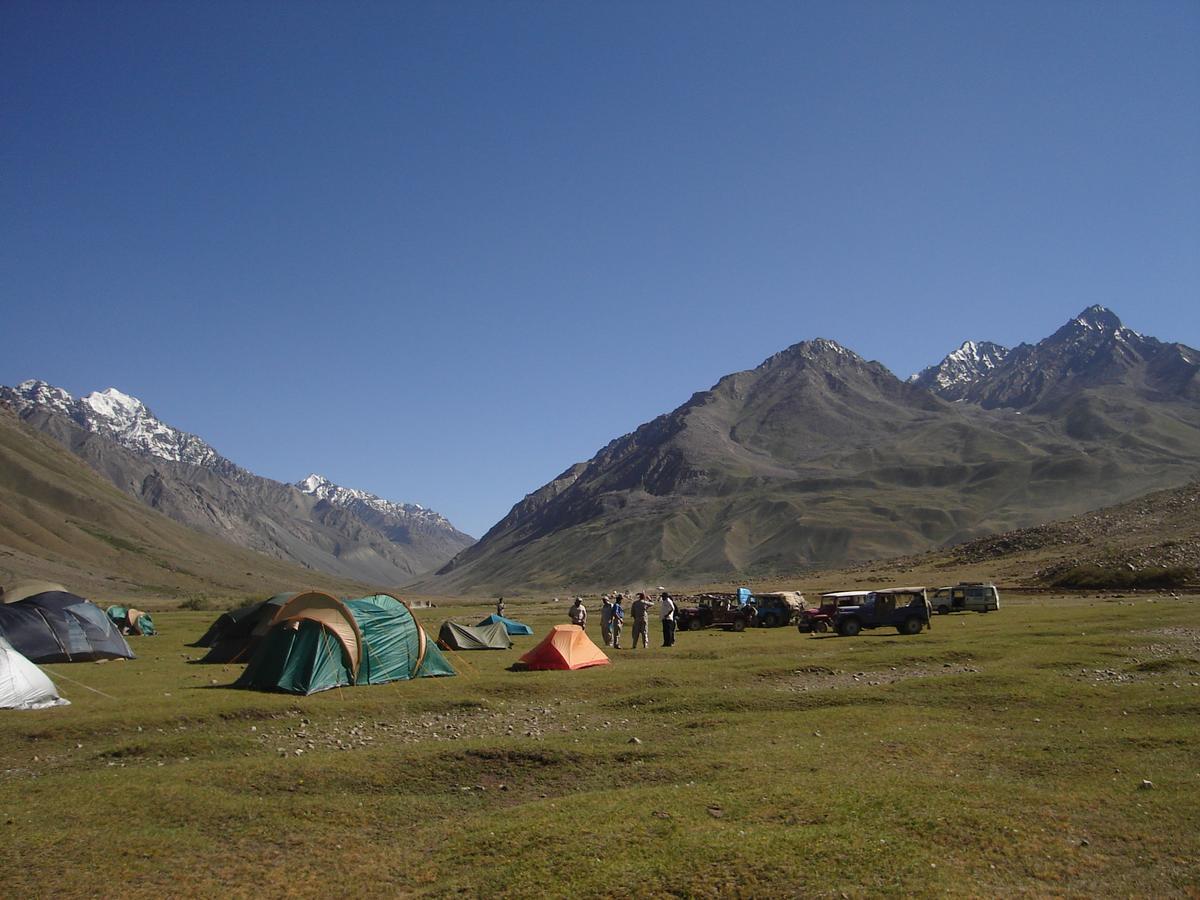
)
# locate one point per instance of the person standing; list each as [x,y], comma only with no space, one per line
[640,610]
[499,606]
[618,621]
[606,620]
[666,612]
[578,613]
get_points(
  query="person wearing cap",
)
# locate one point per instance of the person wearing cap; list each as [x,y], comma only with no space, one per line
[666,612]
[606,620]
[578,613]
[617,621]
[640,610]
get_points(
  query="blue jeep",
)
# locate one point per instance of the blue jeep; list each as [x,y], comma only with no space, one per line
[906,609]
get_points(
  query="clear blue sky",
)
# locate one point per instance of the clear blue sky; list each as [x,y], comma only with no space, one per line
[443,250]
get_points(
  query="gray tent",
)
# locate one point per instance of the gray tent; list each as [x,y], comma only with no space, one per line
[452,636]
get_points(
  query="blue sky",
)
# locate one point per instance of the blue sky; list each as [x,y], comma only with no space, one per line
[441,251]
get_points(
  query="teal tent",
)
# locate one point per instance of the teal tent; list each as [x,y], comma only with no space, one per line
[131,621]
[510,625]
[317,642]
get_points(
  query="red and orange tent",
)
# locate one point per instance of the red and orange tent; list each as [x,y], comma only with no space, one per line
[565,647]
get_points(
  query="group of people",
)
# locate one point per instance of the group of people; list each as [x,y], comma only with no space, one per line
[613,613]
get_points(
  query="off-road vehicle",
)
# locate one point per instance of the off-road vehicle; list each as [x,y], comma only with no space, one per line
[819,619]
[778,608]
[905,609]
[714,609]
[966,596]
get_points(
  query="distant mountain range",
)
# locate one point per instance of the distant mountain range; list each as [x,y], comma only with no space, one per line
[819,457]
[63,522]
[319,525]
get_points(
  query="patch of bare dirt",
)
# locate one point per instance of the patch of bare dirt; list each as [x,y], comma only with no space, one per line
[820,678]
[1174,660]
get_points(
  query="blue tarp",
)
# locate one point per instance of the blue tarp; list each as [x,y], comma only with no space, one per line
[743,596]
[510,625]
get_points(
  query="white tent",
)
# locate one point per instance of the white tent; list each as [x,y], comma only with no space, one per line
[22,684]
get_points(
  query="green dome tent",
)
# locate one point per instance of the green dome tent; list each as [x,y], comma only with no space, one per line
[234,636]
[452,636]
[317,642]
[512,626]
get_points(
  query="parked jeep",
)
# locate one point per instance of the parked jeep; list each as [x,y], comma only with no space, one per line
[905,609]
[778,608]
[715,609]
[966,596]
[819,619]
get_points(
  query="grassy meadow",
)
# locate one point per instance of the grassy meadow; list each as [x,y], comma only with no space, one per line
[996,754]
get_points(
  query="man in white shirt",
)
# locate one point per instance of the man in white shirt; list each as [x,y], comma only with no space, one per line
[666,612]
[578,613]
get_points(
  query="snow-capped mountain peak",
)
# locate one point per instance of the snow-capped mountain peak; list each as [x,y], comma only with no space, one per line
[116,415]
[115,406]
[955,374]
[42,394]
[1099,318]
[354,499]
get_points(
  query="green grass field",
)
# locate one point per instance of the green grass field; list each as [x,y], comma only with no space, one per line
[997,754]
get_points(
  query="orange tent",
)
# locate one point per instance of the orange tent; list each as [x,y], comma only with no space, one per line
[565,647]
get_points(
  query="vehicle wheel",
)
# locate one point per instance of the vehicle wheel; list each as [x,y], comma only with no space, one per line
[770,620]
[849,627]
[909,626]
[804,628]
[739,624]
[821,627]
[943,610]
[694,625]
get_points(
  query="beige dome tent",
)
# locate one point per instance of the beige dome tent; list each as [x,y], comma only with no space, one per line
[22,590]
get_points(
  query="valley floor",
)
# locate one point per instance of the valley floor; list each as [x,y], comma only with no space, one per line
[996,754]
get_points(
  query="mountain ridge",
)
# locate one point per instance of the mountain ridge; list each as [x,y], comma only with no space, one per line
[184,477]
[819,457]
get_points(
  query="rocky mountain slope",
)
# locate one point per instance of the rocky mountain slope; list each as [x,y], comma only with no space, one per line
[1126,544]
[1160,530]
[819,457]
[61,521]
[183,477]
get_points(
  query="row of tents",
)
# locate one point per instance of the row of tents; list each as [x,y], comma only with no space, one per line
[46,623]
[311,641]
[296,642]
[236,635]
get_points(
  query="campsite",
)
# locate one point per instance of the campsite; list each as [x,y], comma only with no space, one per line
[461,448]
[724,765]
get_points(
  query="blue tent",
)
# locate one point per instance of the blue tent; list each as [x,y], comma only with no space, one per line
[511,626]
